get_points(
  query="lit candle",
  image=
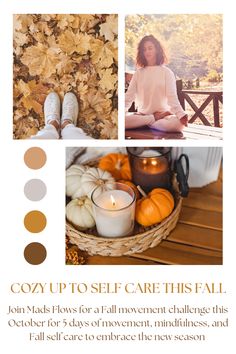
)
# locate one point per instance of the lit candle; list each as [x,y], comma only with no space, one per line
[114,211]
[150,168]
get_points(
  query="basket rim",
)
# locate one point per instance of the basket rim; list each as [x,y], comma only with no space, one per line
[130,237]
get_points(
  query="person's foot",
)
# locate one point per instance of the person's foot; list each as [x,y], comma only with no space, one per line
[70,110]
[184,120]
[52,110]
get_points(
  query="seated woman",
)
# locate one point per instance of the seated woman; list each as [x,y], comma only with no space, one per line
[153,89]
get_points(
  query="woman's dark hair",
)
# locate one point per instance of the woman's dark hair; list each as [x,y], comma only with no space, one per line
[161,56]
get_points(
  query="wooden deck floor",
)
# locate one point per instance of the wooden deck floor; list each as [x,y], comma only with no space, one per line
[197,239]
[193,131]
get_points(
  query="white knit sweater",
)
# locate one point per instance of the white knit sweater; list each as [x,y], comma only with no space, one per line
[153,89]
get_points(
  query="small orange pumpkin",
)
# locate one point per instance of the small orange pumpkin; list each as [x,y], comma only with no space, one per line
[132,185]
[117,164]
[154,207]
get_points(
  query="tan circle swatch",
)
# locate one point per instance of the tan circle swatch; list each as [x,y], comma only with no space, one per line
[35,158]
[35,253]
[35,221]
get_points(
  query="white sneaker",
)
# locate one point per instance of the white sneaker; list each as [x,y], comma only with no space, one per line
[70,108]
[52,108]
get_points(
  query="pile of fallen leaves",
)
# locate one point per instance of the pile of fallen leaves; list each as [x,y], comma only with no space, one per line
[74,256]
[63,53]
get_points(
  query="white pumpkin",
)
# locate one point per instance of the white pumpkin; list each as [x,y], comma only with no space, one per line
[79,212]
[73,184]
[95,177]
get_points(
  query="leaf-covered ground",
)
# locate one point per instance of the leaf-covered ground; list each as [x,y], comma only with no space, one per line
[63,53]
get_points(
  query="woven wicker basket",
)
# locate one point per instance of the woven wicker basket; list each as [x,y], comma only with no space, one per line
[142,239]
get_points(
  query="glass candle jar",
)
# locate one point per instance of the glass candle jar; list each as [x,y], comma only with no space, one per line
[114,210]
[150,167]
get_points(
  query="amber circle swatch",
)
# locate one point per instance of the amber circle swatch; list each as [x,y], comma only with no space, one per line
[35,253]
[35,158]
[35,190]
[35,221]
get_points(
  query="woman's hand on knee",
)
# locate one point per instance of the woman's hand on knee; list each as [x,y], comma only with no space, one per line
[160,115]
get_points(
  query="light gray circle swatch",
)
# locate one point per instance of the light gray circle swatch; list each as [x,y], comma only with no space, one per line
[35,189]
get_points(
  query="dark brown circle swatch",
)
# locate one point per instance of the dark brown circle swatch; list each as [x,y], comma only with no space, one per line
[35,221]
[35,158]
[35,253]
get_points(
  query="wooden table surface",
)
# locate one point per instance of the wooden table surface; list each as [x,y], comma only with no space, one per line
[193,131]
[197,239]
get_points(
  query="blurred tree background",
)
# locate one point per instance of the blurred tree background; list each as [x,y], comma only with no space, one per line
[193,43]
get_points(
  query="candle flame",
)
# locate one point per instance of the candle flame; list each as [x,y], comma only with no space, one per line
[113,200]
[154,162]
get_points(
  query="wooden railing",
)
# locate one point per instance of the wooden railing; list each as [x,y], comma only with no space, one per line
[215,97]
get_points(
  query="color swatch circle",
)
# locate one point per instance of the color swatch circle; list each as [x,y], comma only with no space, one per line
[35,158]
[35,253]
[35,221]
[35,190]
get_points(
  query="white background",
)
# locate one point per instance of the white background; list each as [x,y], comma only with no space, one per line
[14,205]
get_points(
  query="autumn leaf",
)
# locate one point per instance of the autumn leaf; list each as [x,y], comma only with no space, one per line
[21,23]
[33,95]
[70,42]
[41,60]
[65,21]
[25,127]
[20,39]
[108,130]
[87,22]
[96,100]
[101,54]
[108,80]
[109,29]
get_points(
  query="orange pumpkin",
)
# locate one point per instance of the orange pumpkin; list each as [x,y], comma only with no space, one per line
[154,207]
[132,185]
[117,164]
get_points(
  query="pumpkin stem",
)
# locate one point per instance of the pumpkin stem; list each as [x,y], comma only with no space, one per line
[100,182]
[81,201]
[141,191]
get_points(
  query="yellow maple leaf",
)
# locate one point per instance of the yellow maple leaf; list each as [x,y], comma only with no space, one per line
[87,22]
[108,130]
[113,47]
[41,27]
[109,29]
[102,55]
[65,21]
[108,80]
[41,60]
[69,42]
[22,22]
[98,103]
[66,65]
[20,39]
